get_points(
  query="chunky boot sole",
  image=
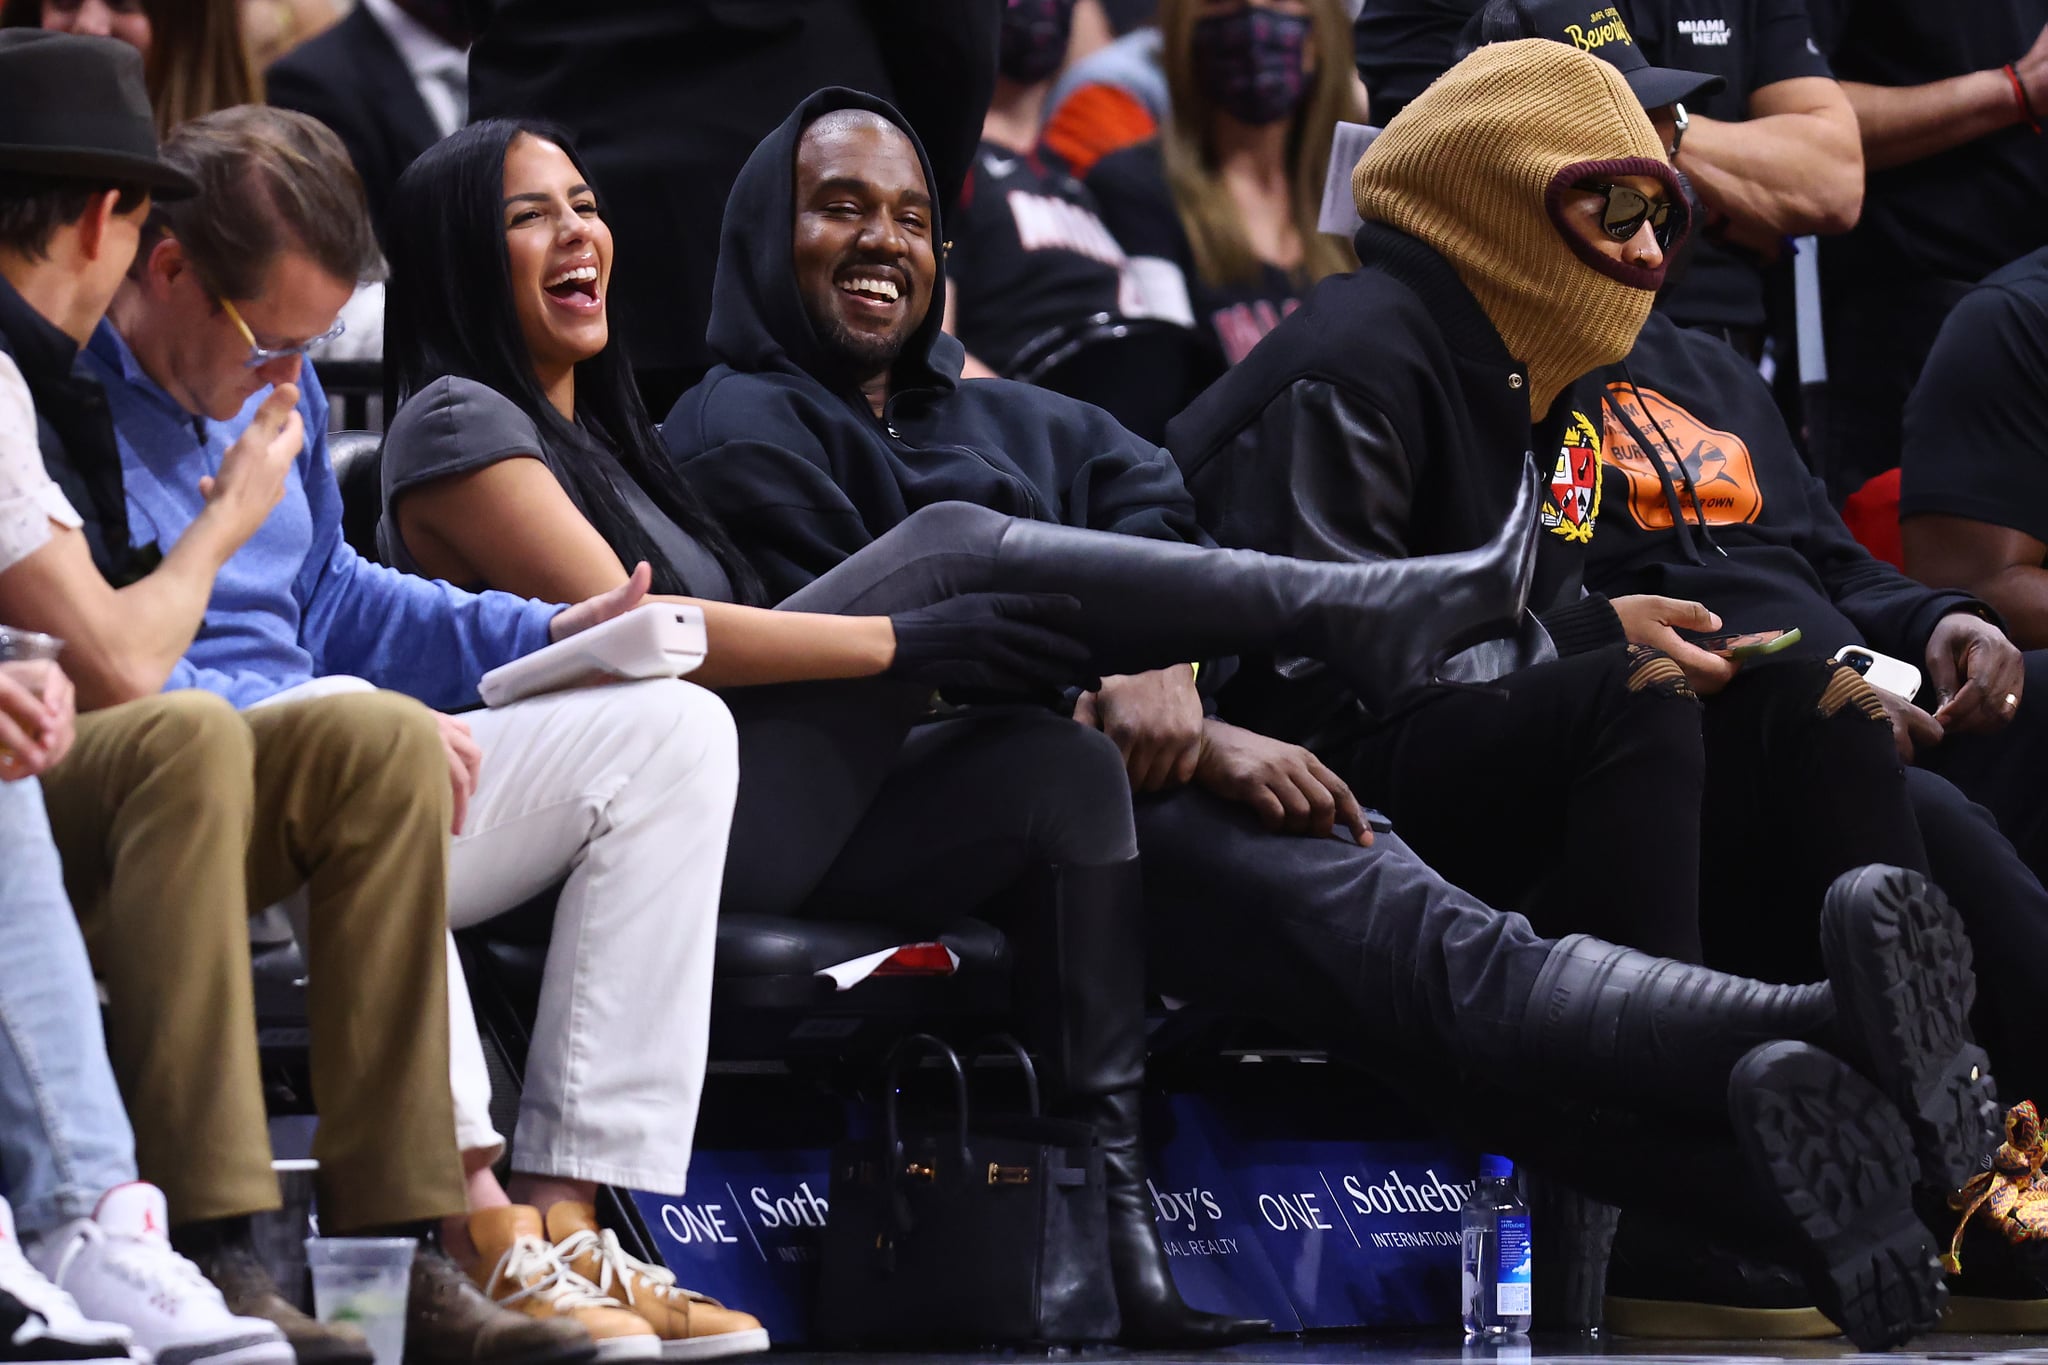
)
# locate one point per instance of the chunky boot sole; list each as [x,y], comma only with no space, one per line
[1836,1159]
[1899,962]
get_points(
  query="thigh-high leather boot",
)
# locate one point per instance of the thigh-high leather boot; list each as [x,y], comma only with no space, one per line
[1384,625]
[1082,982]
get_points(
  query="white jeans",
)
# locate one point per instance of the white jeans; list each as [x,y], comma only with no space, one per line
[627,791]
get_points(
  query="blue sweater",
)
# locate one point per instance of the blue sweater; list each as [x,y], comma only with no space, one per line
[297,603]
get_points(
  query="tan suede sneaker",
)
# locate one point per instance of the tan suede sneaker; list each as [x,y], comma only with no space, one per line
[516,1266]
[691,1326]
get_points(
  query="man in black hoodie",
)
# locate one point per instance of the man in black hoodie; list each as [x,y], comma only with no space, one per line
[838,410]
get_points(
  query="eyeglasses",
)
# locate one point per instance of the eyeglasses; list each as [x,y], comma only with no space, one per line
[1627,210]
[260,356]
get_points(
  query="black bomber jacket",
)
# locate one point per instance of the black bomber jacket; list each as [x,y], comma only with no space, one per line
[1385,418]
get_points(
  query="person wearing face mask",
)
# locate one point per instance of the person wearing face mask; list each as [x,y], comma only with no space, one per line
[1516,218]
[1223,203]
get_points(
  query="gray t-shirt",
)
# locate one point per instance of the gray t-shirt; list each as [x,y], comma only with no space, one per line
[455,425]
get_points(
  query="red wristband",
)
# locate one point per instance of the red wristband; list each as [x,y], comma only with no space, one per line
[2019,94]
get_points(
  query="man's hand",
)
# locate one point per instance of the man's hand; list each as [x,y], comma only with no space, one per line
[1656,621]
[37,712]
[465,764]
[1913,730]
[251,480]
[595,611]
[1974,669]
[1287,785]
[1155,719]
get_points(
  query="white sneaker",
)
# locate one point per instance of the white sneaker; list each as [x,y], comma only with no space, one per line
[39,1321]
[118,1264]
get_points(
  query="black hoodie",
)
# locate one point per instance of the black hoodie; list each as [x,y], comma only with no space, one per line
[1707,499]
[787,451]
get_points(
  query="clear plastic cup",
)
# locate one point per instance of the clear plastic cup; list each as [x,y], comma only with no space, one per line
[20,646]
[363,1280]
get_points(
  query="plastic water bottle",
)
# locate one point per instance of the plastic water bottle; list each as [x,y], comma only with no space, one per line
[1496,1254]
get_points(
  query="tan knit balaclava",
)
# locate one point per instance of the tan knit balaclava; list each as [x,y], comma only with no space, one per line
[1477,167]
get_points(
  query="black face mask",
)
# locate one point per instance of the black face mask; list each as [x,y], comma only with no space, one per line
[1253,62]
[1034,39]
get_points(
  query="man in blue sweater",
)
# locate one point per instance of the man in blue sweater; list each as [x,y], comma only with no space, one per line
[622,794]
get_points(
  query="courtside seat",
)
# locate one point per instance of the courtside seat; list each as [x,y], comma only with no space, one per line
[767,999]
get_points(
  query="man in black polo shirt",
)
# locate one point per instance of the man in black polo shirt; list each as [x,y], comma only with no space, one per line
[1949,99]
[1973,496]
[1772,152]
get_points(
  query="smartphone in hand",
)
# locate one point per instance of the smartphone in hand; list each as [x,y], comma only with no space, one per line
[1753,645]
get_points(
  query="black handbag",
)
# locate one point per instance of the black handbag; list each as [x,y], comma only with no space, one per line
[984,1230]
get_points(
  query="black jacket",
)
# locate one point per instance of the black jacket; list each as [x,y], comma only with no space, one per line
[794,461]
[1707,499]
[667,98]
[1385,418]
[76,434]
[353,79]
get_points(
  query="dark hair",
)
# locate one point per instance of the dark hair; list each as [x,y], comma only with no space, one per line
[449,311]
[269,180]
[33,207]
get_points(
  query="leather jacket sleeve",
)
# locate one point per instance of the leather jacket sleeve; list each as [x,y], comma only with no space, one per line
[1320,474]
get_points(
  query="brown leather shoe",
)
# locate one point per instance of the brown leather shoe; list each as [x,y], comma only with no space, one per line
[251,1293]
[449,1321]
[692,1326]
[517,1267]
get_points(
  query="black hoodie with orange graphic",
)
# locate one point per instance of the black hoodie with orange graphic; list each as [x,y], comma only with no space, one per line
[1705,497]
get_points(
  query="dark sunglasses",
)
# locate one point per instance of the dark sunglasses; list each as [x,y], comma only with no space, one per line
[1627,210]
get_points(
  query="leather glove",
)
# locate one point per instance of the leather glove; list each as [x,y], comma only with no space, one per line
[992,640]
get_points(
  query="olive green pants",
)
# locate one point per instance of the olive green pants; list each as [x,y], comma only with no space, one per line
[176,817]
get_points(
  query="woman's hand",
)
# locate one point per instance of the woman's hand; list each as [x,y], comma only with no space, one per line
[998,641]
[1656,621]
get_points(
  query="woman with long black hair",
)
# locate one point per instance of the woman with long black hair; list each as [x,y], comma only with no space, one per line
[522,459]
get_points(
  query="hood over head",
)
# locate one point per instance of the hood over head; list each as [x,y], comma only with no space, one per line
[1477,167]
[758,322]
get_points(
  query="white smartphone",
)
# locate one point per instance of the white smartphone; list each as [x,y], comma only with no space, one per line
[1882,671]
